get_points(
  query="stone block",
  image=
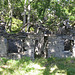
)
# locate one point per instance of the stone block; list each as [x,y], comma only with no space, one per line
[3,46]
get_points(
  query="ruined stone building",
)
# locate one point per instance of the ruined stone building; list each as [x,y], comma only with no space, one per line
[38,44]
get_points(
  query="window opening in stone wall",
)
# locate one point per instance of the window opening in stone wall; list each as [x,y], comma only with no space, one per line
[14,46]
[68,45]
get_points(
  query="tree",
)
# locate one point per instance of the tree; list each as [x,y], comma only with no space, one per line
[24,13]
[52,13]
[28,14]
[2,10]
[10,16]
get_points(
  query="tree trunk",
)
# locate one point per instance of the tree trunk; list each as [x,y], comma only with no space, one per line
[24,18]
[10,16]
[2,9]
[28,14]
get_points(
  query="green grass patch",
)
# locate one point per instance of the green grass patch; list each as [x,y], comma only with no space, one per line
[42,66]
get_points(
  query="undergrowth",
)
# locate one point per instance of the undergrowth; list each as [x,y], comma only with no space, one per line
[42,66]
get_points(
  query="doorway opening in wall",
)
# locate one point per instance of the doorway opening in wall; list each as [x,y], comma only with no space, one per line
[36,50]
[68,45]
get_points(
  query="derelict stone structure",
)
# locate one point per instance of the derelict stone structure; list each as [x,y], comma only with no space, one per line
[56,47]
[37,44]
[3,41]
[3,46]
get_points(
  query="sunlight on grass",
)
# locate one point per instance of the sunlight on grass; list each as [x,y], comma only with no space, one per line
[61,72]
[36,66]
[36,72]
[1,69]
[36,69]
[55,70]
[31,69]
[25,66]
[12,63]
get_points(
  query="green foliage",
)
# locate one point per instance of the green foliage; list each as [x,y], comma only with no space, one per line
[55,11]
[16,24]
[72,18]
[42,66]
[3,61]
[40,6]
[31,29]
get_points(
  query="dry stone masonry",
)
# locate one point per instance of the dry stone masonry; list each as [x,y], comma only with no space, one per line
[37,44]
[3,46]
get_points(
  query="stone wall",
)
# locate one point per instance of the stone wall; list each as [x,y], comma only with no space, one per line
[3,46]
[29,46]
[14,48]
[33,48]
[40,43]
[56,47]
[73,50]
[22,47]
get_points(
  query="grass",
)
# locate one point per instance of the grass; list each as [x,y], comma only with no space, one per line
[25,66]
